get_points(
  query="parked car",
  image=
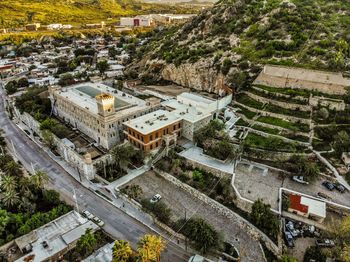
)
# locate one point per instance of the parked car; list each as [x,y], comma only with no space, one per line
[340,188]
[289,239]
[300,179]
[88,215]
[291,229]
[323,196]
[324,243]
[98,221]
[330,186]
[155,198]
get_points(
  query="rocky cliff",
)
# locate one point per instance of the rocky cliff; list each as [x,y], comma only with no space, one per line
[227,44]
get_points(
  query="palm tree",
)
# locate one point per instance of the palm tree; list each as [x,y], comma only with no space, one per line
[9,198]
[8,183]
[121,251]
[121,155]
[87,242]
[13,168]
[150,248]
[39,178]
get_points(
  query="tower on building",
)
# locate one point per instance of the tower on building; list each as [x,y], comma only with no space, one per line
[105,104]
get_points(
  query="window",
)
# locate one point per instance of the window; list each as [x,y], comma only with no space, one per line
[151,137]
[151,147]
[142,138]
[156,134]
[179,125]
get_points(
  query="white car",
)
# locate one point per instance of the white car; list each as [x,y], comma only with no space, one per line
[300,179]
[155,198]
[88,215]
[98,221]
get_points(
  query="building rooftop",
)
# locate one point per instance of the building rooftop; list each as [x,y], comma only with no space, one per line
[153,121]
[84,95]
[308,205]
[104,254]
[57,235]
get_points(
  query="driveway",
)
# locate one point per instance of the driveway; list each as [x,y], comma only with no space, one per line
[181,202]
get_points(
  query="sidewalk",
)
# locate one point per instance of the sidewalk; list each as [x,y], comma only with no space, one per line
[132,174]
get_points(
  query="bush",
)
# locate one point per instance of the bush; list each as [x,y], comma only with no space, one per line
[159,209]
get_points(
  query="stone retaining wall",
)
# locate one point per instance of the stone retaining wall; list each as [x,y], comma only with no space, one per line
[301,98]
[221,209]
[333,104]
[271,155]
[252,122]
[280,116]
[285,105]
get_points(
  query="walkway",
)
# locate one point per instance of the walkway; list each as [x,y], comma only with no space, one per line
[132,174]
[196,154]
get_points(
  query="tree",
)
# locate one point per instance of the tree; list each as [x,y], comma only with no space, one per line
[23,82]
[121,155]
[8,183]
[264,219]
[13,168]
[201,233]
[9,198]
[150,248]
[341,142]
[323,113]
[300,165]
[39,179]
[87,243]
[52,197]
[11,87]
[121,251]
[102,66]
[4,220]
[48,139]
[66,79]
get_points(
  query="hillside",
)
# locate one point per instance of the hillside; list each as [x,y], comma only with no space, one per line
[240,35]
[16,13]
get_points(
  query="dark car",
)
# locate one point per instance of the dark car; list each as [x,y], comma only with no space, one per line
[289,239]
[340,188]
[330,186]
[325,243]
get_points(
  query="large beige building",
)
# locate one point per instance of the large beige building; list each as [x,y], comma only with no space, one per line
[98,110]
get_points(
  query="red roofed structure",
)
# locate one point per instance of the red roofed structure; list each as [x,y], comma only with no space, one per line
[295,204]
[307,207]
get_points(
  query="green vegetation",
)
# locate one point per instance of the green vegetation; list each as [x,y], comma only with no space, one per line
[272,95]
[266,129]
[283,123]
[264,219]
[159,209]
[247,101]
[25,204]
[271,143]
[288,112]
[55,127]
[202,234]
[122,157]
[302,166]
[247,113]
[16,13]
[12,86]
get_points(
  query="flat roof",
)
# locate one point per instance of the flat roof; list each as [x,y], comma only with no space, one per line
[195,98]
[153,121]
[58,234]
[83,95]
[315,207]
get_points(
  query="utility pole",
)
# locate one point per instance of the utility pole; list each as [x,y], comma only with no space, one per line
[185,236]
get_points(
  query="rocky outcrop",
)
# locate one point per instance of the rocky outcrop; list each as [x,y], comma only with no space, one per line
[200,76]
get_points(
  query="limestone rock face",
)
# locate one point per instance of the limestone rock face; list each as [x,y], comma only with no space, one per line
[200,76]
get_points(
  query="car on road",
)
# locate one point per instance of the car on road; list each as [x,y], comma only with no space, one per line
[289,239]
[323,196]
[325,243]
[340,187]
[98,221]
[88,215]
[300,179]
[330,186]
[155,198]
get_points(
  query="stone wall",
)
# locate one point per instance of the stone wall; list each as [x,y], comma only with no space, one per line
[270,155]
[208,169]
[290,106]
[301,98]
[280,116]
[221,209]
[334,104]
[84,165]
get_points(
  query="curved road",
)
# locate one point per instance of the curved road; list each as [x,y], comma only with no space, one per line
[117,223]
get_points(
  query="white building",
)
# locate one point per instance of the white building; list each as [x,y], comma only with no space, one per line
[138,21]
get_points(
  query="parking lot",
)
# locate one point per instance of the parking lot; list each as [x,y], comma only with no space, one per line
[255,181]
[180,202]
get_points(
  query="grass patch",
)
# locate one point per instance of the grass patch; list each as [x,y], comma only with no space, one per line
[247,113]
[289,112]
[271,143]
[285,124]
[274,96]
[241,122]
[246,100]
[268,130]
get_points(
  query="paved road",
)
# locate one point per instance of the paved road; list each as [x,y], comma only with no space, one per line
[118,224]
